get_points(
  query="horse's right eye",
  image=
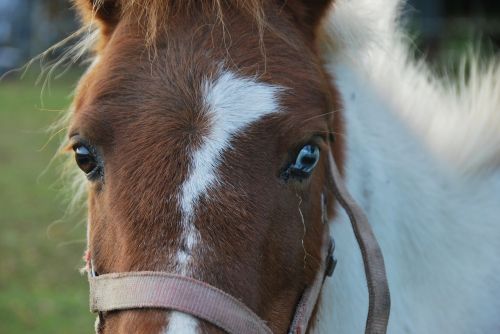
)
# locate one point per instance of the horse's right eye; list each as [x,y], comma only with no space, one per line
[85,160]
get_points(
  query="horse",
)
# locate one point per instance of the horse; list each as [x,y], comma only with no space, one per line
[205,132]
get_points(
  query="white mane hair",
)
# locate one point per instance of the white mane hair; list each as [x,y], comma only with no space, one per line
[423,160]
[458,119]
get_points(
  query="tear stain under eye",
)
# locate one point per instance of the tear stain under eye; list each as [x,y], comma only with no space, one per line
[306,254]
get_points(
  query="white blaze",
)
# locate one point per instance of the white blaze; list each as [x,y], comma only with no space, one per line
[181,323]
[232,104]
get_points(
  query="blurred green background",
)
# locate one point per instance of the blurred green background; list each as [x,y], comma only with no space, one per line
[41,244]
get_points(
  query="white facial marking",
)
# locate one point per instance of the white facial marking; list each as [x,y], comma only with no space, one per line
[232,104]
[181,323]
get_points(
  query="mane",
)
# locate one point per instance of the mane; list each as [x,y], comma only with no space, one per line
[153,15]
[456,117]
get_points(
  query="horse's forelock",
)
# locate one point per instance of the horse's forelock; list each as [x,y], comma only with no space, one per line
[153,15]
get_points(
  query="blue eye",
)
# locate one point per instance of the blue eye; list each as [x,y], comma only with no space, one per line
[307,159]
[304,164]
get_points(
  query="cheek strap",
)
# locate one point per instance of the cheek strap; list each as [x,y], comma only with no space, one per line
[379,299]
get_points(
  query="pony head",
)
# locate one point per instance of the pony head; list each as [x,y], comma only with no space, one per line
[203,129]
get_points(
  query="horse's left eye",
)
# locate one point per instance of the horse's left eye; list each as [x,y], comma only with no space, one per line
[85,160]
[304,164]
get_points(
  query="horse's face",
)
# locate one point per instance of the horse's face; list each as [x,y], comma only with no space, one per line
[206,158]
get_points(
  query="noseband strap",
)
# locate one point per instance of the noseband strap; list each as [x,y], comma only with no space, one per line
[160,290]
[136,290]
[121,291]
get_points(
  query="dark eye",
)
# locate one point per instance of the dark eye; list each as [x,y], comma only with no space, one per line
[304,164]
[85,160]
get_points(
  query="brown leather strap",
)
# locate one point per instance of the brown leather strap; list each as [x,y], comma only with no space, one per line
[378,288]
[133,290]
[307,303]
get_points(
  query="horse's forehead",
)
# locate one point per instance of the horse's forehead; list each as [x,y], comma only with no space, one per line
[192,94]
[232,103]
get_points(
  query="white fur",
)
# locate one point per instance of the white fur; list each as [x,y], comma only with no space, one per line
[181,323]
[457,120]
[232,104]
[417,152]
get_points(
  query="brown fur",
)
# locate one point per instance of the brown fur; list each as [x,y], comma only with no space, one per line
[144,116]
[152,15]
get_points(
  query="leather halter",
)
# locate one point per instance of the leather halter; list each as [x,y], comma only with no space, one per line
[160,290]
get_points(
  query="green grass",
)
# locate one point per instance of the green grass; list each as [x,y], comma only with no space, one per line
[41,290]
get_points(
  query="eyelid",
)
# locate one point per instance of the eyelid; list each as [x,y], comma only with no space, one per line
[318,140]
[321,138]
[77,140]
[67,147]
[323,145]
[71,142]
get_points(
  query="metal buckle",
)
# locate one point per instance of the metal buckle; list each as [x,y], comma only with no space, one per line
[331,261]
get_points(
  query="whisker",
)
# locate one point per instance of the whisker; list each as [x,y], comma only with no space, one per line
[322,115]
[339,134]
[52,136]
[71,242]
[305,230]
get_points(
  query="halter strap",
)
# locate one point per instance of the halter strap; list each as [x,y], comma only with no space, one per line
[146,289]
[307,303]
[149,289]
[133,290]
[379,303]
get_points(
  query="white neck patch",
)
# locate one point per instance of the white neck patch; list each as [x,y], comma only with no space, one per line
[232,104]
